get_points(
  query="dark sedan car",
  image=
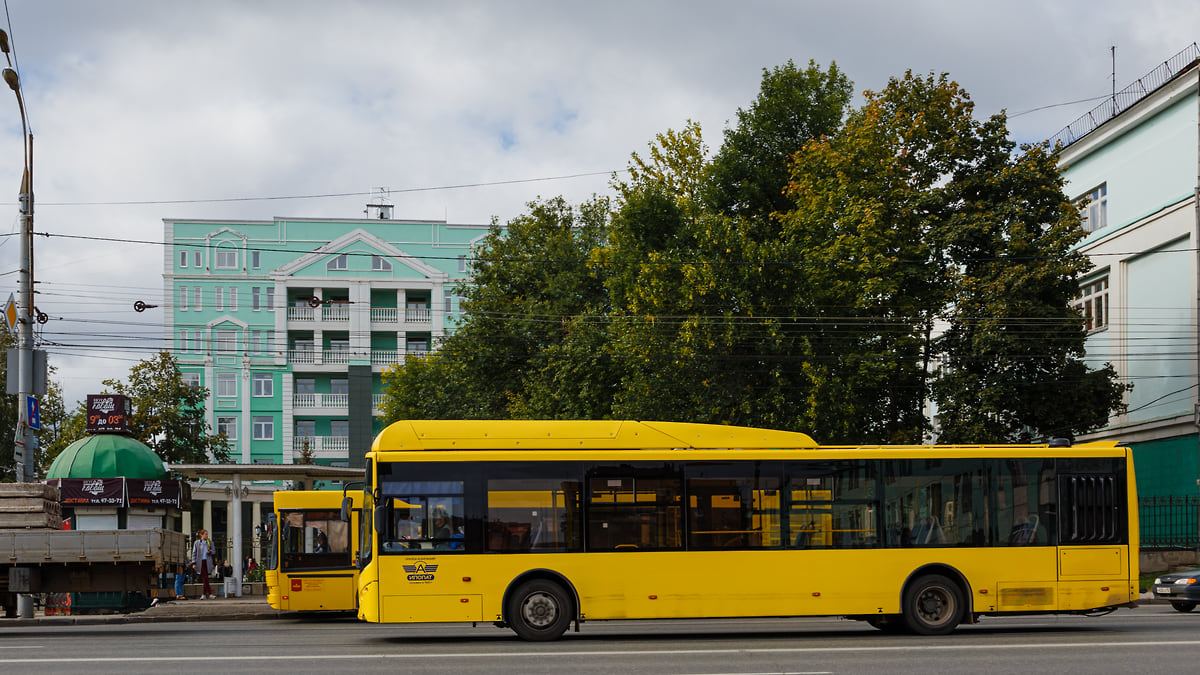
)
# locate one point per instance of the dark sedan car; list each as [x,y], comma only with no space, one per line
[1181,588]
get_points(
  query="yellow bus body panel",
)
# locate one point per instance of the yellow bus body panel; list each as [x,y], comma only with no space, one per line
[333,589]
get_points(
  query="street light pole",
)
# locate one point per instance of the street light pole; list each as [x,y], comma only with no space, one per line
[25,450]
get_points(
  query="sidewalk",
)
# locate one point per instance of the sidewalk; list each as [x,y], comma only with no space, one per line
[218,609]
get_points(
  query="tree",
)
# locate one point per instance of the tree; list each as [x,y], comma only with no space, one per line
[60,428]
[168,414]
[530,279]
[8,412]
[749,173]
[916,213]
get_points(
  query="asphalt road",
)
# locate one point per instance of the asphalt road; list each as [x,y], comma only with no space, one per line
[1147,639]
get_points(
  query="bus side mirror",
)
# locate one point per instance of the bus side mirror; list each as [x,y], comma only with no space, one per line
[380,519]
[346,504]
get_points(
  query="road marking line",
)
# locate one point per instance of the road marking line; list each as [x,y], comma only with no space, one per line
[922,648]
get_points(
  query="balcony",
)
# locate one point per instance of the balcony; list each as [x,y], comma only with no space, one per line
[417,315]
[385,315]
[321,447]
[304,313]
[310,357]
[309,401]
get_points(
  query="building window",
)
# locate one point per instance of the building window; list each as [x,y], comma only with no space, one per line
[339,385]
[339,428]
[232,299]
[338,263]
[196,259]
[227,426]
[462,263]
[184,341]
[264,428]
[264,384]
[1093,303]
[448,300]
[380,264]
[254,260]
[183,296]
[270,298]
[417,346]
[339,345]
[226,340]
[183,258]
[191,379]
[306,428]
[1095,212]
[198,299]
[197,340]
[226,385]
[226,259]
[219,298]
[255,298]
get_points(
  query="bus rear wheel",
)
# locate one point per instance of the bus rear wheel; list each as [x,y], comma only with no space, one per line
[1183,606]
[933,605]
[888,623]
[539,610]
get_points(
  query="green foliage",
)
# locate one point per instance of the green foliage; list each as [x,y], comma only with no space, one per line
[60,428]
[529,280]
[168,414]
[827,272]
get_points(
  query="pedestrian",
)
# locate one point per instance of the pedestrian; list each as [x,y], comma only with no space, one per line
[179,583]
[202,558]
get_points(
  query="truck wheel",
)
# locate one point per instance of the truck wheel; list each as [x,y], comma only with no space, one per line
[539,610]
[1182,606]
[933,605]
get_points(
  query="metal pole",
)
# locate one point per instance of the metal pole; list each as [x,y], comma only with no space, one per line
[27,472]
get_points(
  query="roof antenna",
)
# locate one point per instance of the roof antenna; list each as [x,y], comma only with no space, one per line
[381,204]
[1113,49]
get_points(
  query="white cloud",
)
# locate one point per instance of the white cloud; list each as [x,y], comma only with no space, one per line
[144,101]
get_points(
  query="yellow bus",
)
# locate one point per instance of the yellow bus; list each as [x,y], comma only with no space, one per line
[311,552]
[537,525]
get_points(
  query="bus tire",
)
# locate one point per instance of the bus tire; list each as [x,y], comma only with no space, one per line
[539,610]
[1183,605]
[933,605]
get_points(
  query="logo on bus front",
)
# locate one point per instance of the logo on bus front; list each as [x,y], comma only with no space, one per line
[420,571]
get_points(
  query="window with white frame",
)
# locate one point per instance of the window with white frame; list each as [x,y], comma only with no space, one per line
[264,428]
[226,384]
[264,384]
[339,385]
[337,263]
[380,264]
[191,379]
[462,263]
[226,340]
[306,428]
[183,258]
[196,260]
[1093,207]
[227,426]
[270,298]
[219,299]
[185,342]
[197,298]
[183,298]
[226,259]
[255,298]
[233,298]
[197,340]
[1093,303]
[448,300]
[255,260]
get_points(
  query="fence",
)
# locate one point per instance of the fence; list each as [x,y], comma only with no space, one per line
[1170,522]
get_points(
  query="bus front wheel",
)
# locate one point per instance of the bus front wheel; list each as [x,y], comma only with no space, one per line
[933,605]
[539,610]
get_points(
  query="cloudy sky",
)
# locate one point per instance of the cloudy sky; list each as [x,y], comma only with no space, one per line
[144,110]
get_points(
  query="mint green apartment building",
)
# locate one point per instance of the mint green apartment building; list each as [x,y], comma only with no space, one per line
[290,323]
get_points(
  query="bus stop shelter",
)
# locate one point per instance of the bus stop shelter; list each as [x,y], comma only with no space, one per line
[236,473]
